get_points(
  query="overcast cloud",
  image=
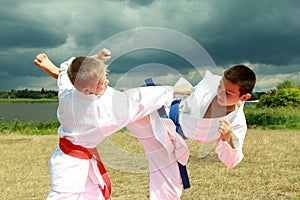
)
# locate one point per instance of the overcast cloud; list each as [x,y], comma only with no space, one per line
[264,34]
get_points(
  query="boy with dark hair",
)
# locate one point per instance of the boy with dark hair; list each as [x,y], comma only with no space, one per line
[242,76]
[214,112]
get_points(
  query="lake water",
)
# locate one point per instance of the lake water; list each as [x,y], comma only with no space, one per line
[28,111]
[33,111]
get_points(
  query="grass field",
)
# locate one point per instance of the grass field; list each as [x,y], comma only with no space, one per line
[270,169]
[27,100]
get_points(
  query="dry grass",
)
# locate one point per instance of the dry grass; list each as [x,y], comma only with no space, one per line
[24,169]
[270,169]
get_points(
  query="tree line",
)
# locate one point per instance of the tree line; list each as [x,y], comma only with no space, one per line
[29,94]
[34,94]
[286,93]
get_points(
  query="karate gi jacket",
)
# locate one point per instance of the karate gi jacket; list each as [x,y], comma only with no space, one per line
[191,111]
[87,119]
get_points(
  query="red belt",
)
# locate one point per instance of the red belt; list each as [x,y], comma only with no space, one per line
[87,153]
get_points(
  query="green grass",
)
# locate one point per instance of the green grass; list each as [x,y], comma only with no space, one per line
[273,118]
[29,127]
[23,100]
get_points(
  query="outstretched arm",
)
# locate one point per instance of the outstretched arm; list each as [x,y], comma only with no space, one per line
[43,62]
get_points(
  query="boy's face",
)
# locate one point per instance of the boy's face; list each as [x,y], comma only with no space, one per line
[101,85]
[228,94]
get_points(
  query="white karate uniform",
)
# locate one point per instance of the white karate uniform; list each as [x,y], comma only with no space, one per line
[195,127]
[164,149]
[86,120]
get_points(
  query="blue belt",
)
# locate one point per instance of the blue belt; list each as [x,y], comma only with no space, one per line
[174,117]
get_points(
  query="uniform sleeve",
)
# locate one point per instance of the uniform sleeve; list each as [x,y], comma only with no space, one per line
[134,104]
[63,81]
[231,157]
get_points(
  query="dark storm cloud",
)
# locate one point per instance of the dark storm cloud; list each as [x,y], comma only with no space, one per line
[141,57]
[135,3]
[23,27]
[22,35]
[258,31]
[263,33]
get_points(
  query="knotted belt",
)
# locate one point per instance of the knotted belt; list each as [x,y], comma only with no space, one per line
[174,117]
[87,153]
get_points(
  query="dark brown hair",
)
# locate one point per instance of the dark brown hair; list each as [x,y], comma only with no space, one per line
[242,76]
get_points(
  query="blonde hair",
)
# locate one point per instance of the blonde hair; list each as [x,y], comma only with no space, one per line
[84,70]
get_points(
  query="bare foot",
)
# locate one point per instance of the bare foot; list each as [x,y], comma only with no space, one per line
[43,62]
[103,55]
[185,89]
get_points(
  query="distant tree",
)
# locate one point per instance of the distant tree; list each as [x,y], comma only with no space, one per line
[254,96]
[286,94]
[266,100]
[260,94]
[25,93]
[42,91]
[4,94]
[13,94]
[286,84]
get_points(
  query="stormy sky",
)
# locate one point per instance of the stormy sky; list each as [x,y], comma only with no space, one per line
[160,38]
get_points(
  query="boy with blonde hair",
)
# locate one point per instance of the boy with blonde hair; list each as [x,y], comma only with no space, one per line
[89,110]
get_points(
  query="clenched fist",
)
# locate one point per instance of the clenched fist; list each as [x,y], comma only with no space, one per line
[225,131]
